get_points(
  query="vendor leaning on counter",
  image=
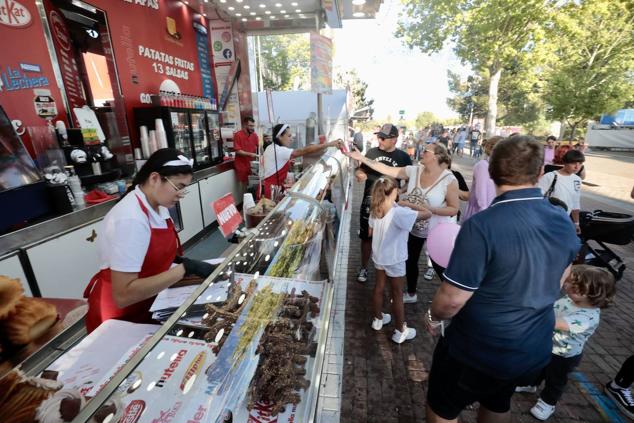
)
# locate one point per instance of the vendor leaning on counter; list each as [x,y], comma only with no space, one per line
[278,156]
[139,244]
[245,144]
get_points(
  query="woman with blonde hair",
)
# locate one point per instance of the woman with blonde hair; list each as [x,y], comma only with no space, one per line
[430,187]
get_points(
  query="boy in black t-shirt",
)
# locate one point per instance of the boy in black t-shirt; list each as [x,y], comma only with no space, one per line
[388,154]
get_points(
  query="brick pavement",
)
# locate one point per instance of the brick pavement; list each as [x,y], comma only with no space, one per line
[385,382]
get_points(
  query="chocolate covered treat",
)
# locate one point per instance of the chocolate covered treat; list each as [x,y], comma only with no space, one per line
[63,406]
[26,397]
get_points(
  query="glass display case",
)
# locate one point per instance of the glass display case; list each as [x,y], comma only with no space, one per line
[200,139]
[180,129]
[248,344]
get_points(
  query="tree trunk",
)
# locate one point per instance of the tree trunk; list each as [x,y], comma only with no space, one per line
[494,81]
[573,131]
[562,129]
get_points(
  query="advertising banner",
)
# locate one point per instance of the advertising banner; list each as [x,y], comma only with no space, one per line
[66,57]
[203,60]
[320,64]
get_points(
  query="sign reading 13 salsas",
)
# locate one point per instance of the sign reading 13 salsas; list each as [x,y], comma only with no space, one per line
[14,14]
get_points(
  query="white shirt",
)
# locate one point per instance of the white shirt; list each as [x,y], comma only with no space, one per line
[389,235]
[125,234]
[436,197]
[283,156]
[582,322]
[567,188]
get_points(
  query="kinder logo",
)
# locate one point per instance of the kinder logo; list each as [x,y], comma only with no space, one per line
[133,412]
[14,14]
[262,413]
[192,371]
[59,30]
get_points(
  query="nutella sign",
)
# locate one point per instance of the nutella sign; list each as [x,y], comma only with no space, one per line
[14,14]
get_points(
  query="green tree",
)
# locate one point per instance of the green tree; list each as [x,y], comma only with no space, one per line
[424,119]
[360,102]
[490,35]
[595,57]
[283,61]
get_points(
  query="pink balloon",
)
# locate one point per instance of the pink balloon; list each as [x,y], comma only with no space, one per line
[440,242]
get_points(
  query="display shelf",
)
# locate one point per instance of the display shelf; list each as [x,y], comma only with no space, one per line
[209,360]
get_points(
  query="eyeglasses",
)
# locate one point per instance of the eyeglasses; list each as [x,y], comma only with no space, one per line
[181,191]
[428,151]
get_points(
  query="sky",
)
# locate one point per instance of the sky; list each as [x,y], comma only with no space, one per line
[398,78]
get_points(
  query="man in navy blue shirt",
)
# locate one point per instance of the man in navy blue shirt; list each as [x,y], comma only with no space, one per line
[505,273]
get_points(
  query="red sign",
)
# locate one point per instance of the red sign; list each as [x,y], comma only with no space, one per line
[228,216]
[66,57]
[14,14]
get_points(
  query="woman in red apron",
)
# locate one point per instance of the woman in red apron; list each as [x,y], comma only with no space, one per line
[277,156]
[139,244]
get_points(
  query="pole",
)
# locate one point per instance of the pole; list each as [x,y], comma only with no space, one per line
[320,114]
[261,79]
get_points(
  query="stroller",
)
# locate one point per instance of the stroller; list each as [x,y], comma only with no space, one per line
[599,228]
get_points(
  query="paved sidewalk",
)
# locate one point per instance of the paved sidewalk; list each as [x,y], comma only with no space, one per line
[384,382]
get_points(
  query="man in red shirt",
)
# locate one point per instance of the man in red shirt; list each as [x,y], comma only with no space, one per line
[245,144]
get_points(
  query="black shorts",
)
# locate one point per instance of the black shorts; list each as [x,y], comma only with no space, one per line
[453,386]
[364,216]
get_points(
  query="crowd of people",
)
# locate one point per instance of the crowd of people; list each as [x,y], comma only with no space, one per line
[520,308]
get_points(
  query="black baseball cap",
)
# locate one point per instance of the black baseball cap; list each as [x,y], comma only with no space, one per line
[388,131]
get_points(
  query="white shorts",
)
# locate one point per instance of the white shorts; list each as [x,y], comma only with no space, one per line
[392,270]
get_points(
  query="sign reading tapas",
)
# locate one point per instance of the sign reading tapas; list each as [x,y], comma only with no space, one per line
[166,64]
[14,14]
[152,4]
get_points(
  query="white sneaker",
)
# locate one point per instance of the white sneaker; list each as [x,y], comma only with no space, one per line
[407,334]
[542,411]
[409,299]
[529,388]
[377,324]
[362,276]
[429,274]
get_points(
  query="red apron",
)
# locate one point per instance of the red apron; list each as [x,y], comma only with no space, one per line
[164,244]
[277,178]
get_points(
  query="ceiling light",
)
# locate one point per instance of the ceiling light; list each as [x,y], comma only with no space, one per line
[282,11]
[186,2]
[221,1]
[294,4]
[287,16]
[272,17]
[252,13]
[238,14]
[258,18]
[206,1]
[239,1]
[278,4]
[244,19]
[358,2]
[298,10]
[358,14]
[231,8]
[262,5]
[268,12]
[246,6]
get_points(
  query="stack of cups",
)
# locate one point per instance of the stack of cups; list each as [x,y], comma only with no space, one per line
[247,203]
[145,141]
[78,193]
[161,136]
[153,142]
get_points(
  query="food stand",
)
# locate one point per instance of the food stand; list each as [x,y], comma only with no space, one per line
[249,342]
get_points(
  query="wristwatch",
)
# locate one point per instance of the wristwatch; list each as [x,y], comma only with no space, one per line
[435,323]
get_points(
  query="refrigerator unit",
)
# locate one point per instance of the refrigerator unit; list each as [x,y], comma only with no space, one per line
[194,132]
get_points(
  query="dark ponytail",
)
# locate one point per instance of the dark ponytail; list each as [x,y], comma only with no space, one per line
[156,163]
[276,130]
